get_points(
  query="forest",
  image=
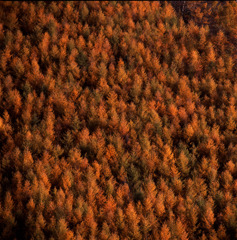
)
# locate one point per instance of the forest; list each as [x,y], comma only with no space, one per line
[118,120]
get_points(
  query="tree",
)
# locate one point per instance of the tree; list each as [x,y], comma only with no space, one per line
[90,222]
[180,230]
[133,221]
[165,233]
[62,231]
[27,160]
[159,205]
[14,100]
[208,218]
[183,163]
[7,215]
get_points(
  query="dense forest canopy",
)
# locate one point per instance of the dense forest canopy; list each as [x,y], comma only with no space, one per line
[118,120]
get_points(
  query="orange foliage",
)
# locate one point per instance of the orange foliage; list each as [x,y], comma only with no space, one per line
[118,120]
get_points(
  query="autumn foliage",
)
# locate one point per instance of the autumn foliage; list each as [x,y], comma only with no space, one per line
[118,120]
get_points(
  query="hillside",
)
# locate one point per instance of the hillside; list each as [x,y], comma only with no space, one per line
[118,120]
